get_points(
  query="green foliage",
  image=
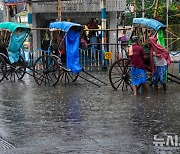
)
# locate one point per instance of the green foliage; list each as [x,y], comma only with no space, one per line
[174,13]
[129,18]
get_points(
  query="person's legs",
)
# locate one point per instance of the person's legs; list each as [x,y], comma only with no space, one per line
[93,50]
[145,88]
[164,87]
[162,77]
[138,78]
[156,88]
[155,79]
[134,90]
[139,87]
[143,81]
[133,79]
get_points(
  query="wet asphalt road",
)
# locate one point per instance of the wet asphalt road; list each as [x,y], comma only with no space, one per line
[84,119]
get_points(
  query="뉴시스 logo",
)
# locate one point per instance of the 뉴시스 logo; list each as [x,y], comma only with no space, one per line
[168,141]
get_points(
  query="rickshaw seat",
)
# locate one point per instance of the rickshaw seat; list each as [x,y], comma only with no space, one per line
[3,49]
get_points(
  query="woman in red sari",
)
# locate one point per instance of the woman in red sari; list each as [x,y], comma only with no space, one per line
[159,62]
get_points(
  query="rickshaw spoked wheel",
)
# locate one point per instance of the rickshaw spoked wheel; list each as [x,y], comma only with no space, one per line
[17,70]
[3,68]
[46,70]
[66,76]
[119,74]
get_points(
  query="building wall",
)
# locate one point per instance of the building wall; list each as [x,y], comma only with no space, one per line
[79,6]
[79,11]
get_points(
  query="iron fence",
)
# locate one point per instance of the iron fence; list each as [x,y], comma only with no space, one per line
[94,58]
[90,58]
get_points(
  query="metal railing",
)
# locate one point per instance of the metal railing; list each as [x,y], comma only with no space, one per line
[91,58]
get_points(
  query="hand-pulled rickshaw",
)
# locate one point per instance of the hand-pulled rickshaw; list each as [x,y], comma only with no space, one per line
[119,73]
[12,64]
[56,64]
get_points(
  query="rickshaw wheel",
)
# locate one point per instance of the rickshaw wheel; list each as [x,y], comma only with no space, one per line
[16,71]
[46,70]
[119,76]
[66,76]
[3,68]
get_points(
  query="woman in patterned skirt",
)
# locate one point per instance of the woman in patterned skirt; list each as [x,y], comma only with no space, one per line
[138,74]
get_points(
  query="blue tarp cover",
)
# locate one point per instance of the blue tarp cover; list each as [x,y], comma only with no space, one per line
[72,51]
[152,23]
[14,46]
[64,26]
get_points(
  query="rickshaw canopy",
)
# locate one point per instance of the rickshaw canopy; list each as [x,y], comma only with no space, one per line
[151,23]
[64,26]
[12,26]
[19,34]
